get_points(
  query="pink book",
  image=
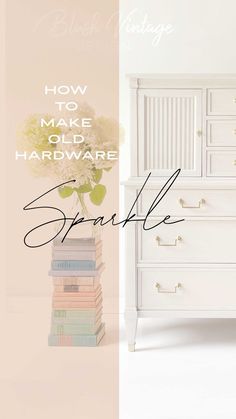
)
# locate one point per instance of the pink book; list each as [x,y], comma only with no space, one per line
[76,288]
[76,297]
[76,304]
[77,294]
[79,281]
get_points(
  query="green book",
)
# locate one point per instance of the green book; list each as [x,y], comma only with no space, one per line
[75,329]
[89,320]
[85,313]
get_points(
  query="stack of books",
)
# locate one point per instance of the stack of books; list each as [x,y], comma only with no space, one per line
[77,298]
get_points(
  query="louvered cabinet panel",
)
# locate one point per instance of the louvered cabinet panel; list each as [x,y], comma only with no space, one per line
[169,131]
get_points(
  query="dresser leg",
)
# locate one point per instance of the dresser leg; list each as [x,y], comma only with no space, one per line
[131,320]
[131,348]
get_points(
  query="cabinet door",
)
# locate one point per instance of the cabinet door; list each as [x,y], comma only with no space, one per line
[169,131]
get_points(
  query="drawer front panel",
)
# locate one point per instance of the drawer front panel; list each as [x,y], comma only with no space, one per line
[186,289]
[221,102]
[221,133]
[184,202]
[221,163]
[189,241]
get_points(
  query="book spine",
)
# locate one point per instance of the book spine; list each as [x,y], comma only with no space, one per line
[76,298]
[82,273]
[68,273]
[89,320]
[73,265]
[77,248]
[77,314]
[75,304]
[73,329]
[72,295]
[76,281]
[75,288]
[76,340]
[70,340]
[79,255]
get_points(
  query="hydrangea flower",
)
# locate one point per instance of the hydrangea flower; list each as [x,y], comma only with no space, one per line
[103,135]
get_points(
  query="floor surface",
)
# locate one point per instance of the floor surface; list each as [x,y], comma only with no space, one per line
[182,369]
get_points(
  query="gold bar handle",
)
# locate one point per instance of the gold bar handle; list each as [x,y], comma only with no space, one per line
[234,162]
[164,291]
[234,99]
[168,244]
[234,131]
[199,205]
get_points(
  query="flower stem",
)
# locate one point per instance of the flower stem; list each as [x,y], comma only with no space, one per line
[82,203]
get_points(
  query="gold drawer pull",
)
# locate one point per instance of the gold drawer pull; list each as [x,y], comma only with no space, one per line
[168,244]
[234,131]
[234,99]
[163,291]
[200,203]
[234,162]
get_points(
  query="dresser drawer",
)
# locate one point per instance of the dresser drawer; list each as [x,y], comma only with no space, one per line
[186,289]
[221,102]
[190,241]
[186,202]
[221,133]
[221,163]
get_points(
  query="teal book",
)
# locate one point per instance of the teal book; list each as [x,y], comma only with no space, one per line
[73,265]
[77,340]
[75,329]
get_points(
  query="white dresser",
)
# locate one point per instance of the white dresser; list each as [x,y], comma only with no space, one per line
[185,269]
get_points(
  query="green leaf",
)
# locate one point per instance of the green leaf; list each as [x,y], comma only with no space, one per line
[97,175]
[97,195]
[65,192]
[84,188]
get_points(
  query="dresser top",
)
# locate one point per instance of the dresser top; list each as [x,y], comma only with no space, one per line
[146,80]
[181,183]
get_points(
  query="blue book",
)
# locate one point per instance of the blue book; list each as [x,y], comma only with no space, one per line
[82,277]
[73,265]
